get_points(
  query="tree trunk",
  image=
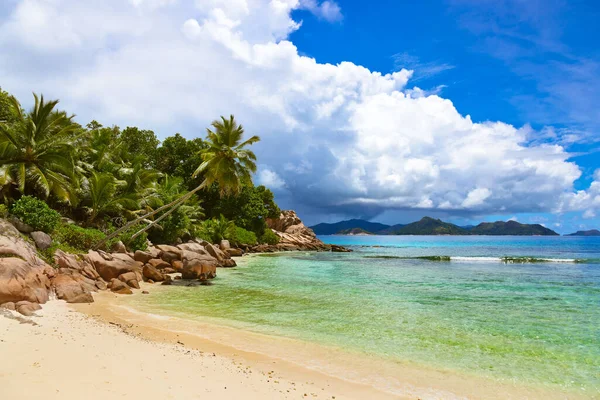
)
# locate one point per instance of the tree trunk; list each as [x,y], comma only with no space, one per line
[143,217]
[156,221]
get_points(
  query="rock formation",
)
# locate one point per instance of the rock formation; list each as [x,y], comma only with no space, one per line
[22,272]
[293,235]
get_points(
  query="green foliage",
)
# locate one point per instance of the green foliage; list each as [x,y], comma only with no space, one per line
[140,142]
[139,243]
[226,161]
[240,236]
[102,175]
[269,237]
[216,229]
[181,222]
[180,157]
[7,112]
[36,151]
[172,227]
[249,209]
[35,213]
[103,196]
[3,211]
[81,239]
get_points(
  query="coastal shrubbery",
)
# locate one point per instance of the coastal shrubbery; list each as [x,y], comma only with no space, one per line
[139,243]
[269,237]
[216,229]
[117,182]
[35,213]
[243,237]
[3,211]
[77,237]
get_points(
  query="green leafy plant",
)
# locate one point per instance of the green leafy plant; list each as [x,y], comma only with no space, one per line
[77,237]
[242,236]
[139,243]
[3,211]
[36,213]
[36,151]
[172,227]
[216,229]
[269,237]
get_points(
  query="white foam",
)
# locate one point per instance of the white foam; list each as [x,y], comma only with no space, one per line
[480,259]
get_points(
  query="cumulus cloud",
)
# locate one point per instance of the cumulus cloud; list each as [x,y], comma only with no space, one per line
[334,137]
[587,200]
[270,179]
[328,9]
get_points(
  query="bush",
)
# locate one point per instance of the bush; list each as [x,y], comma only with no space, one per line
[216,229]
[174,226]
[269,237]
[35,213]
[241,236]
[139,243]
[3,211]
[77,237]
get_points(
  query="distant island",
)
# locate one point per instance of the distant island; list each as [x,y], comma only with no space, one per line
[591,232]
[432,226]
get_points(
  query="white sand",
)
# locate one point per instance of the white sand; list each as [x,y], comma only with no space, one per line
[69,355]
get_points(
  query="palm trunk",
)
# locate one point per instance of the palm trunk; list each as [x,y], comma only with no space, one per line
[143,217]
[156,221]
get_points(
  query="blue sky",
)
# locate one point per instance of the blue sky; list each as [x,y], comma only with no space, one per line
[506,52]
[460,109]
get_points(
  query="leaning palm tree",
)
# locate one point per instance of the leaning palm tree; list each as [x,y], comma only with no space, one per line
[36,151]
[226,162]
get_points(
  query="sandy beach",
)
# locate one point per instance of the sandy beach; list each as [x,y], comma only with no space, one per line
[64,354]
[105,350]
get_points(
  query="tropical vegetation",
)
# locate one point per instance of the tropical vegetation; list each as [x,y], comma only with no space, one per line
[109,184]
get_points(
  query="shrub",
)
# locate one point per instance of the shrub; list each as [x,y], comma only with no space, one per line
[269,237]
[3,211]
[77,237]
[139,243]
[241,236]
[35,213]
[174,226]
[216,229]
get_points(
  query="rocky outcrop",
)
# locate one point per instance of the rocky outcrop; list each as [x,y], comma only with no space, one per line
[151,273]
[142,256]
[199,268]
[293,235]
[69,289]
[42,240]
[22,272]
[75,279]
[110,266]
[27,308]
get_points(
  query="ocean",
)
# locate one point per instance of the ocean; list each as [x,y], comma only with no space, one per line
[524,310]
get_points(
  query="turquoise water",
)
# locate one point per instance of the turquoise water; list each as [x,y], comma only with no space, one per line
[534,322]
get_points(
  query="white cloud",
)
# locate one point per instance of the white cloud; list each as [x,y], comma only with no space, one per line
[328,9]
[476,197]
[332,135]
[582,200]
[270,179]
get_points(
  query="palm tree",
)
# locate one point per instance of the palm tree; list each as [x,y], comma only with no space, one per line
[226,162]
[102,196]
[36,151]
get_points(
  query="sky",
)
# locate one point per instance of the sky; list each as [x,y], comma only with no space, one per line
[465,110]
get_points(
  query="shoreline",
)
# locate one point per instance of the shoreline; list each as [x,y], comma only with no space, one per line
[343,373]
